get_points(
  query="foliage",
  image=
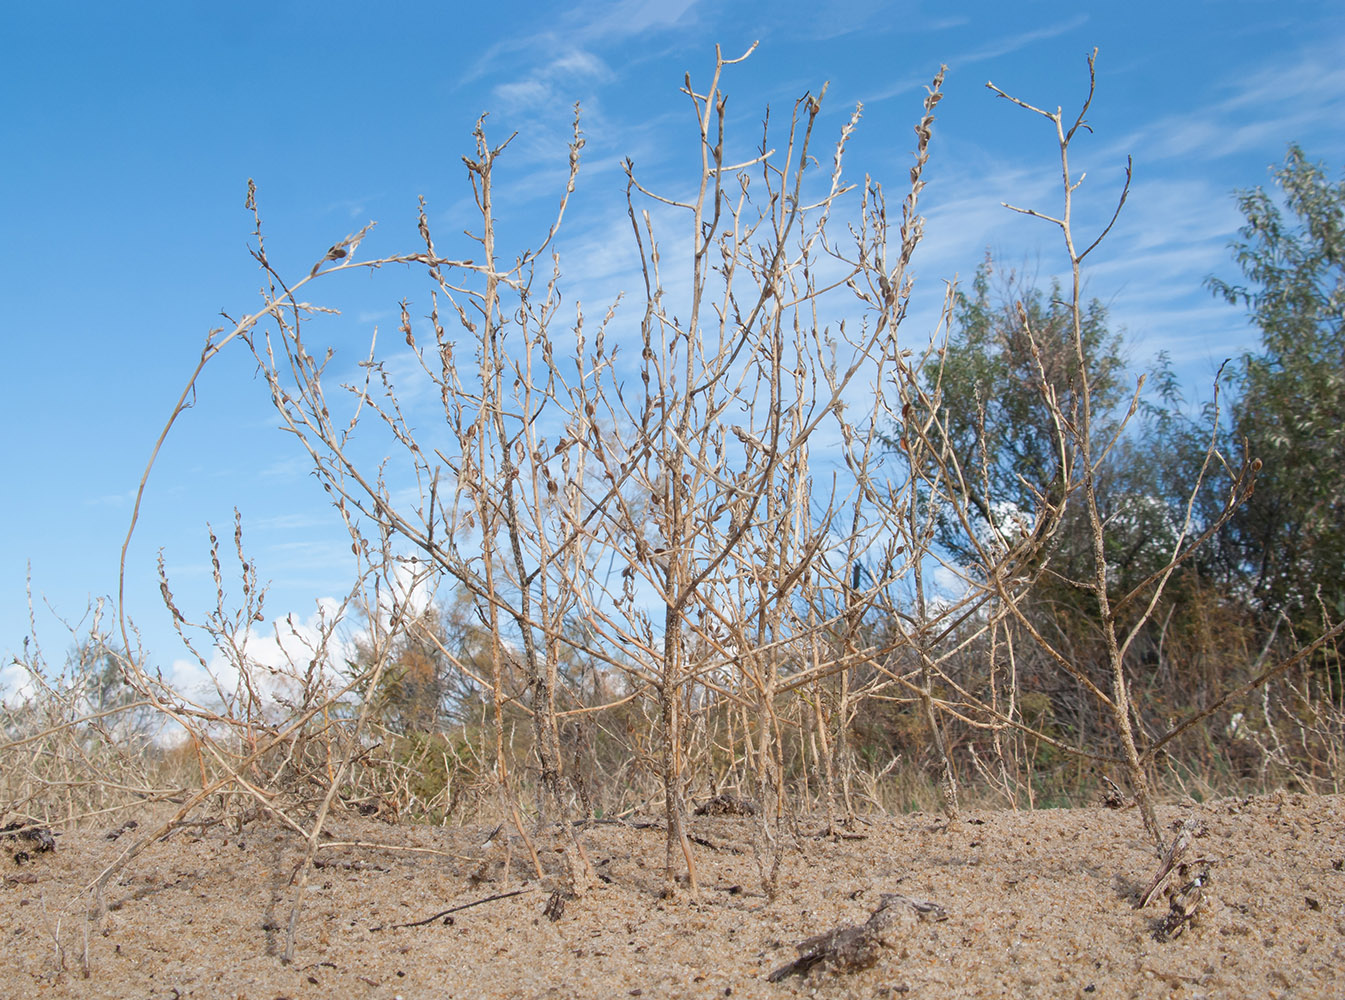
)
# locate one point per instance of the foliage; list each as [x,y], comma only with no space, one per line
[994,366]
[434,677]
[1291,409]
[1009,341]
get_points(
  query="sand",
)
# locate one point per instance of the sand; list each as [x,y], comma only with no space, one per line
[1028,905]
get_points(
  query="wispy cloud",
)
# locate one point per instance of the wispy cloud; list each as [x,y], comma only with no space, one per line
[290,468]
[1004,46]
[634,17]
[122,499]
[289,522]
[355,208]
[552,84]
[1257,107]
[1000,47]
[585,25]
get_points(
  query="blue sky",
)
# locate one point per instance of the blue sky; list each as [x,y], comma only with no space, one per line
[130,132]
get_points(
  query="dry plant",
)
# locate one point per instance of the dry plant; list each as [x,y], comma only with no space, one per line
[78,745]
[271,741]
[676,521]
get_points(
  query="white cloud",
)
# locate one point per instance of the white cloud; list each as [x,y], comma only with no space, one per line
[412,591]
[271,660]
[275,660]
[16,684]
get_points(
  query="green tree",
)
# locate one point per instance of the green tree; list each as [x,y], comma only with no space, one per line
[1001,429]
[1290,537]
[991,379]
[438,670]
[95,669]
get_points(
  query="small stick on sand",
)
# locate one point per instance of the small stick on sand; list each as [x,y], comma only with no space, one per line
[453,909]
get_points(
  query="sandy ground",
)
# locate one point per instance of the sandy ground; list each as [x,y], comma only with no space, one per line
[1033,905]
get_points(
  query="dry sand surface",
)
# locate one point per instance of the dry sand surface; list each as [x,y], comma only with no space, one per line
[1033,905]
